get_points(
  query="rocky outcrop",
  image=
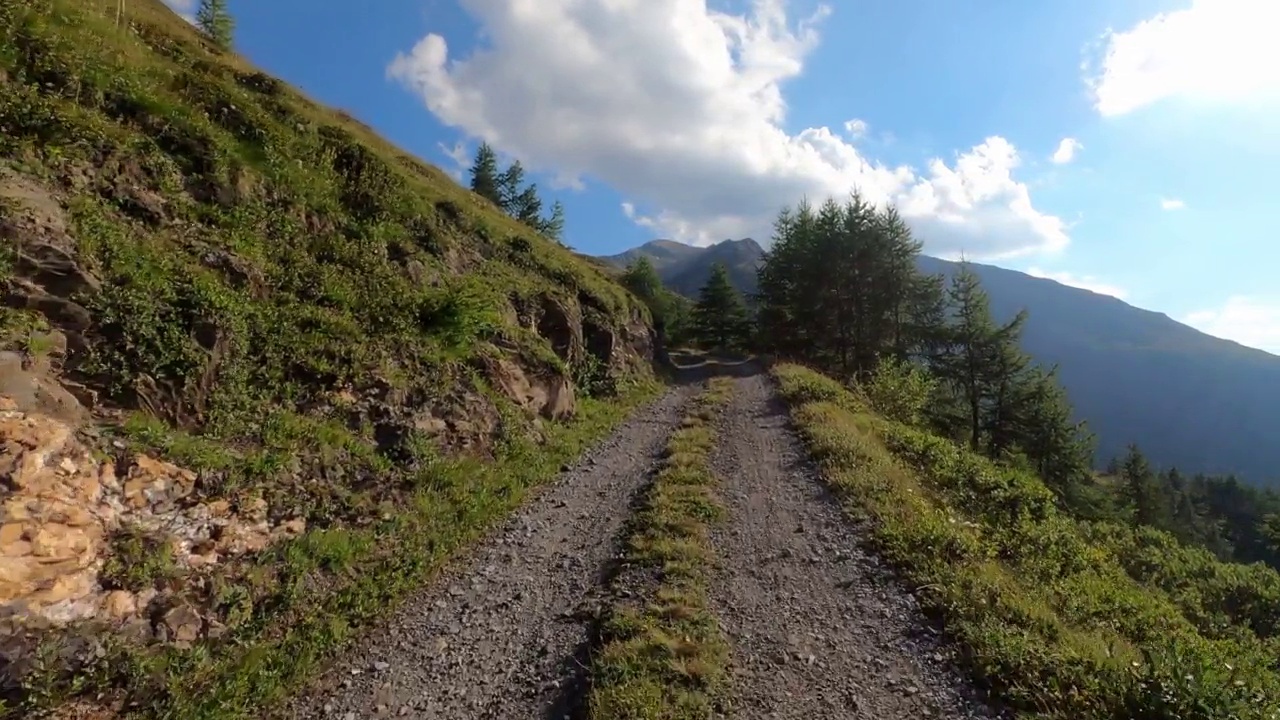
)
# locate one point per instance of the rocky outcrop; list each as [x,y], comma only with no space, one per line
[549,395]
[46,270]
[61,506]
[577,330]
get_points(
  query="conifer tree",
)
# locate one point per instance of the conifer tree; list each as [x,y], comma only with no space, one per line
[526,207]
[720,316]
[510,190]
[553,225]
[215,20]
[485,175]
[642,279]
[1140,489]
[669,310]
[968,362]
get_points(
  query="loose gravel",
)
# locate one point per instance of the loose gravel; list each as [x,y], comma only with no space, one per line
[818,628]
[501,632]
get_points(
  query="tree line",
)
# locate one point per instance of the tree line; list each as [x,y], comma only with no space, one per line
[507,189]
[1235,521]
[840,291]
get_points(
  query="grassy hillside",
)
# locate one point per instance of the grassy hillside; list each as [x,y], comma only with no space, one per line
[224,274]
[1057,618]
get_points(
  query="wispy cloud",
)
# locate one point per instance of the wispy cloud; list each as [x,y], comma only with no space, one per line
[1066,151]
[1084,282]
[1171,204]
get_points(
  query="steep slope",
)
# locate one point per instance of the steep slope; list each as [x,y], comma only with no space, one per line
[340,350]
[685,269]
[1188,399]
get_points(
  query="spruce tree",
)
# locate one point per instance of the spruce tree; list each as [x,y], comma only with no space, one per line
[485,175]
[720,316]
[214,19]
[1141,490]
[511,190]
[527,207]
[967,363]
[553,225]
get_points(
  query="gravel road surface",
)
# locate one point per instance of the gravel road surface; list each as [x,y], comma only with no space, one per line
[497,634]
[817,628]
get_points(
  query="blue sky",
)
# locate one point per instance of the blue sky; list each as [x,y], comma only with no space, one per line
[699,120]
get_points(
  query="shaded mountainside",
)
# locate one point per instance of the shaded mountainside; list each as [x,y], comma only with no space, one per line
[337,346]
[685,269]
[1188,399]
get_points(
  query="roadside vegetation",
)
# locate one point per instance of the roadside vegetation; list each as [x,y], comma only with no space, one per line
[661,654]
[1058,617]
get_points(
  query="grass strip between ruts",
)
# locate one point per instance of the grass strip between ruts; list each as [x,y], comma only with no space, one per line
[661,651]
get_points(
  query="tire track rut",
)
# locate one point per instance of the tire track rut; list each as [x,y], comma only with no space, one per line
[495,634]
[817,628]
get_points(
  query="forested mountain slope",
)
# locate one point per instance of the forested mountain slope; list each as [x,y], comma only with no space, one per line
[1188,399]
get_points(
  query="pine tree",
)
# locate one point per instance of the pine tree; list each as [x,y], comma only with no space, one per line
[526,207]
[840,289]
[215,20]
[485,175]
[720,317]
[510,190]
[553,225]
[1140,490]
[966,364]
[1060,449]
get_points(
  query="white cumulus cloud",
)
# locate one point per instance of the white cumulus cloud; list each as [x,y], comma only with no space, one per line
[1252,321]
[1171,204]
[680,108]
[1215,50]
[1066,151]
[1085,282]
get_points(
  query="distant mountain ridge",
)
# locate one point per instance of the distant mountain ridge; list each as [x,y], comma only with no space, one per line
[685,268]
[1190,400]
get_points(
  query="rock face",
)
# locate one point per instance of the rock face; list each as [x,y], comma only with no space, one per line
[551,397]
[60,507]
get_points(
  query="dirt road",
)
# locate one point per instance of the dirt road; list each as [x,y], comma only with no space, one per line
[494,636]
[817,628]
